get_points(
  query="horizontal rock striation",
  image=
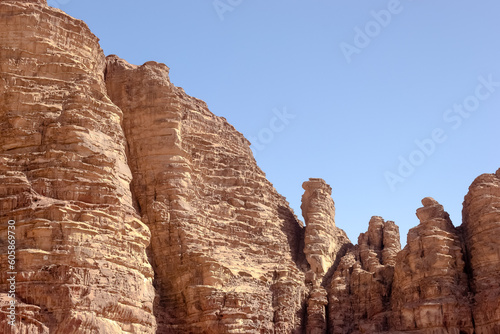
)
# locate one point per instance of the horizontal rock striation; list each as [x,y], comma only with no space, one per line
[360,290]
[430,290]
[64,180]
[137,210]
[225,246]
[481,226]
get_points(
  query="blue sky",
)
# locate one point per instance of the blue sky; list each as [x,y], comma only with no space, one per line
[388,101]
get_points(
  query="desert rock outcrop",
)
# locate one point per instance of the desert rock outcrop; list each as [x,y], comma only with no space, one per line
[137,210]
[360,290]
[430,290]
[323,240]
[225,245]
[80,246]
[324,244]
[481,226]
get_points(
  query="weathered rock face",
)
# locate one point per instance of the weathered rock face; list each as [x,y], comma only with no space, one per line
[64,180]
[324,244]
[360,290]
[430,290]
[137,210]
[323,240]
[225,246]
[481,226]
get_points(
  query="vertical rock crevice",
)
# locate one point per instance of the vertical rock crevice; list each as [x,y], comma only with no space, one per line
[361,287]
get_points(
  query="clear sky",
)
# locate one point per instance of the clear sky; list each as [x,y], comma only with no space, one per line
[388,101]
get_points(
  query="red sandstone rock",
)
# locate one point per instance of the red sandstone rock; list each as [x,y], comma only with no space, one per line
[430,290]
[359,293]
[324,245]
[100,159]
[481,226]
[225,245]
[64,179]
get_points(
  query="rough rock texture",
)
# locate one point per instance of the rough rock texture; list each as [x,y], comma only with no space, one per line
[226,247]
[324,243]
[481,225]
[430,290]
[64,179]
[137,210]
[360,290]
[323,240]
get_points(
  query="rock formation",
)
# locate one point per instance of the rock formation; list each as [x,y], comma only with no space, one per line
[324,244]
[430,289]
[80,245]
[481,227]
[323,240]
[360,290]
[225,246]
[137,210]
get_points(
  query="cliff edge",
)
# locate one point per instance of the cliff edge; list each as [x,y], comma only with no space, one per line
[134,209]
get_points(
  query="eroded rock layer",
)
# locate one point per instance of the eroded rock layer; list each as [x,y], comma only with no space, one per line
[481,226]
[137,210]
[80,246]
[225,246]
[324,244]
[430,290]
[360,290]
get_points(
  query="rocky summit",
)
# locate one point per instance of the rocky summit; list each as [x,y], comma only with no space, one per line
[137,210]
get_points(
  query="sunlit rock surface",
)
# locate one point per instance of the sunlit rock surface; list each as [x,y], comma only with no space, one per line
[137,210]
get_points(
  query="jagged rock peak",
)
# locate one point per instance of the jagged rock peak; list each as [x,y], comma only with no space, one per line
[360,288]
[380,244]
[431,210]
[430,289]
[323,240]
[116,179]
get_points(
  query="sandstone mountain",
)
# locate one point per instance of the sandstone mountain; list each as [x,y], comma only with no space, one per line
[137,210]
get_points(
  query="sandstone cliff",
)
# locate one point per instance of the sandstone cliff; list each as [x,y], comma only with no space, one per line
[225,246]
[481,229]
[137,210]
[80,245]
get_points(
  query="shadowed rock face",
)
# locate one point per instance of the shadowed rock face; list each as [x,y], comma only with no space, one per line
[137,210]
